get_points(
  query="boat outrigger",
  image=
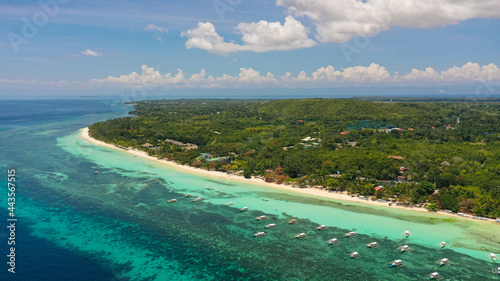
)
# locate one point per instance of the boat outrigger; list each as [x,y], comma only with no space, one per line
[354,255]
[373,245]
[293,221]
[444,261]
[243,209]
[351,234]
[172,201]
[271,226]
[188,195]
[229,204]
[259,234]
[321,227]
[261,218]
[397,263]
[435,276]
[197,199]
[333,241]
[405,248]
[301,235]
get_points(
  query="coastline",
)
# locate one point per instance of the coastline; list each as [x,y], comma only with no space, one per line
[341,196]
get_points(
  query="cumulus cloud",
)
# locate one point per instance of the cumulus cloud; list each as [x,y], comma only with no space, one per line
[374,74]
[262,36]
[155,27]
[338,21]
[91,53]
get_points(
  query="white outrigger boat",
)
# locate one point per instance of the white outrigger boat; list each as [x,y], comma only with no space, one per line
[261,218]
[294,221]
[333,241]
[229,204]
[407,233]
[271,226]
[492,257]
[172,201]
[321,227]
[188,195]
[243,209]
[373,245]
[397,263]
[259,234]
[435,276]
[351,234]
[443,244]
[444,261]
[301,235]
[354,255]
[197,199]
[405,248]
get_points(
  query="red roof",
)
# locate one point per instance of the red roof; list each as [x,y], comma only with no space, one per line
[378,188]
[343,133]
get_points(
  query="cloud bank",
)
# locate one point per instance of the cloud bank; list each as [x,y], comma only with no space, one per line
[373,75]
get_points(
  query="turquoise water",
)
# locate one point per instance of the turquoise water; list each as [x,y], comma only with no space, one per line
[119,221]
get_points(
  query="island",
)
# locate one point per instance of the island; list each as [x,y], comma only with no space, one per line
[441,155]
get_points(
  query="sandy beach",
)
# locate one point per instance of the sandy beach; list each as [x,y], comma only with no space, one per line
[309,191]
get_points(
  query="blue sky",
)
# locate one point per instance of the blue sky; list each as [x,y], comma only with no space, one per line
[98,47]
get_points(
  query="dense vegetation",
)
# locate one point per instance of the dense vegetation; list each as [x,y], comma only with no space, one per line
[451,150]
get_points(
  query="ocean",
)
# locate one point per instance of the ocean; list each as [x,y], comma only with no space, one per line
[73,224]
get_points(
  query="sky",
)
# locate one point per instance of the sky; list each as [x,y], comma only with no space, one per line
[64,47]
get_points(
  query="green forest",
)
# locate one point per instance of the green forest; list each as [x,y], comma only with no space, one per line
[438,154]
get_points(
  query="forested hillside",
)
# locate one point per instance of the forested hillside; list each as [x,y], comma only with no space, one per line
[445,154]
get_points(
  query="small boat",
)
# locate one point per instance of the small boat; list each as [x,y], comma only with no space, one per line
[271,226]
[407,233]
[243,209]
[496,270]
[197,199]
[493,257]
[97,172]
[435,275]
[293,222]
[444,261]
[229,204]
[333,241]
[442,244]
[397,263]
[172,201]
[373,245]
[188,195]
[321,227]
[301,235]
[405,248]
[259,234]
[355,255]
[261,218]
[351,234]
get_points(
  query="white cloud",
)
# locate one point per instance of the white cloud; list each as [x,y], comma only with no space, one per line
[91,53]
[338,21]
[155,27]
[262,36]
[374,74]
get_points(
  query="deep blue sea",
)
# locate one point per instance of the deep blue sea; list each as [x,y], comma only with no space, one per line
[116,225]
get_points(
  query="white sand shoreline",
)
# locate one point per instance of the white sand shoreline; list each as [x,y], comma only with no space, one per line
[309,191]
